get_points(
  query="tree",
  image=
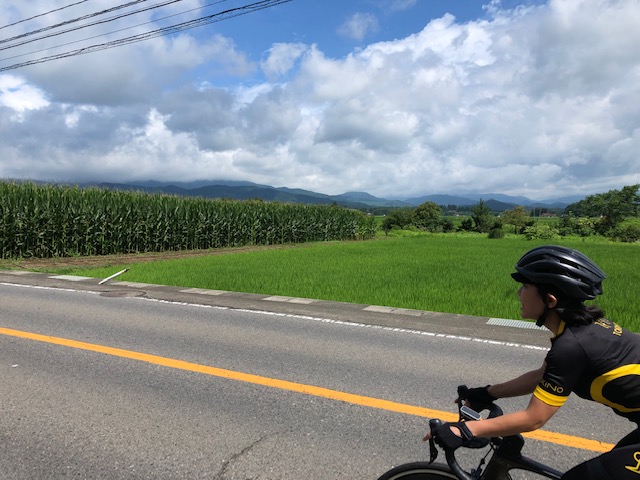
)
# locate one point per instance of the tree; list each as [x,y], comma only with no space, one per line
[427,216]
[466,225]
[611,207]
[518,217]
[570,225]
[539,231]
[628,233]
[398,218]
[619,204]
[447,225]
[482,217]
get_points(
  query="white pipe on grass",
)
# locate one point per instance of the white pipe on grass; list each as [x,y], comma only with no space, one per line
[113,276]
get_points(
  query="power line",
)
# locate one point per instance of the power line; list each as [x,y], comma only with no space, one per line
[42,14]
[74,20]
[217,17]
[62,32]
[107,33]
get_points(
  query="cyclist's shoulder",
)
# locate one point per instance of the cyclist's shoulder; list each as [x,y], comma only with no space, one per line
[569,344]
[603,335]
[600,329]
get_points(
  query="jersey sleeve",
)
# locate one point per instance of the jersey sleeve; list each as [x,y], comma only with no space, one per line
[566,362]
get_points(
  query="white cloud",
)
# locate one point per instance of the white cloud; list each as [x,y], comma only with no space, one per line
[17,95]
[281,58]
[185,51]
[537,101]
[359,25]
[399,5]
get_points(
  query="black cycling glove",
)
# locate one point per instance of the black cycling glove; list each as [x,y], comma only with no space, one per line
[448,440]
[480,398]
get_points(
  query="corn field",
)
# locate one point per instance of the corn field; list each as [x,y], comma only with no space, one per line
[45,221]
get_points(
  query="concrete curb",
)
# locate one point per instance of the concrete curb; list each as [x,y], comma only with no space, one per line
[481,328]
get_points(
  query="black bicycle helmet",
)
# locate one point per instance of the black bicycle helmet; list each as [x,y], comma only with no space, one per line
[563,271]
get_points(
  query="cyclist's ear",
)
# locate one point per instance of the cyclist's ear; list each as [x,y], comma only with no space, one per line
[551,300]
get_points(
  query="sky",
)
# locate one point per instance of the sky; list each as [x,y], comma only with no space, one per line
[397,98]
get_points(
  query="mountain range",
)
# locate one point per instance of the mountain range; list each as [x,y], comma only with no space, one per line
[239,190]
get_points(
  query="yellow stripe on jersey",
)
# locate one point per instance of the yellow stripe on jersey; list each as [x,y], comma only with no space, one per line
[597,386]
[549,398]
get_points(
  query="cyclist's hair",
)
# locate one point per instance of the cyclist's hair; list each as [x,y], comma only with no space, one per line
[572,312]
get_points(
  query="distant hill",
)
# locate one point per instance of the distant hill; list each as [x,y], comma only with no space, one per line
[441,200]
[248,191]
[446,200]
[361,200]
[368,199]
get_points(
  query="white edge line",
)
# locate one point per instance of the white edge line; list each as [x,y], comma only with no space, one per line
[304,317]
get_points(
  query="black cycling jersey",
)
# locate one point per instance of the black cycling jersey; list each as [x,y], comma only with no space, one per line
[599,362]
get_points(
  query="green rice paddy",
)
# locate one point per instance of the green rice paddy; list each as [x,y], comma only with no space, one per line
[453,273]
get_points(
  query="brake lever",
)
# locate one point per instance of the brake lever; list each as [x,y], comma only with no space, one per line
[463,391]
[433,451]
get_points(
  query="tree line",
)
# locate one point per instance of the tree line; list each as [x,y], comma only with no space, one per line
[600,214]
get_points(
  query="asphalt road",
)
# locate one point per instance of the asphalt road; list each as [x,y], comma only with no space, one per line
[141,381]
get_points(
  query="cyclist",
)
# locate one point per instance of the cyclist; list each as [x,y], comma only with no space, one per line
[589,355]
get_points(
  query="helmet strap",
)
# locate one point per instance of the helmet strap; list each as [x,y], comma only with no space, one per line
[542,318]
[544,294]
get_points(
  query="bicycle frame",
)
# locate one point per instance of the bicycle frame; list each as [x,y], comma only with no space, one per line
[507,457]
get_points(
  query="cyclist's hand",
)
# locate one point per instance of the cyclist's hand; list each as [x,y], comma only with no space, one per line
[479,398]
[448,436]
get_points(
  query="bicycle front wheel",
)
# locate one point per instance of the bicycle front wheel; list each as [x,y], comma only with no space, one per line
[419,471]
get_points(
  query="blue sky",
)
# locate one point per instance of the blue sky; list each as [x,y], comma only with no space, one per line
[396,98]
[340,27]
[326,23]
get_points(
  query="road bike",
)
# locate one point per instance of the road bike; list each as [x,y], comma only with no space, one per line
[504,454]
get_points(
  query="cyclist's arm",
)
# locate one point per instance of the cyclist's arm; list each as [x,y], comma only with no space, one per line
[531,418]
[523,385]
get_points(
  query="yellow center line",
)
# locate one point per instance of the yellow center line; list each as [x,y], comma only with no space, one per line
[551,437]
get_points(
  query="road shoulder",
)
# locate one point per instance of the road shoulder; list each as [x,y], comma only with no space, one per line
[473,327]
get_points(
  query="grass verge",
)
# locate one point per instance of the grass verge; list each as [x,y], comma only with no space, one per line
[453,273]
